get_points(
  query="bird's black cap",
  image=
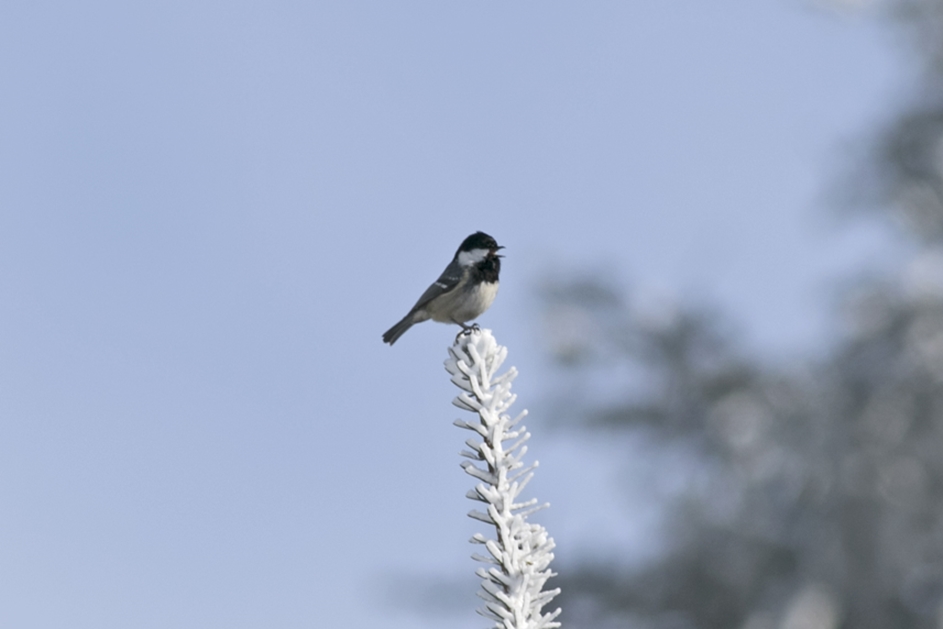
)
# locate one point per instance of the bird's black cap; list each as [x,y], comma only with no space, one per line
[479,240]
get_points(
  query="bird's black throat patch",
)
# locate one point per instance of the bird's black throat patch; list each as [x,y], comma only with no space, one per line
[488,269]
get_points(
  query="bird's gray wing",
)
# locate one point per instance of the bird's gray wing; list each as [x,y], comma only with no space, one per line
[449,279]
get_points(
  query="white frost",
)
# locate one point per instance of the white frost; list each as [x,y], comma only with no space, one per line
[518,559]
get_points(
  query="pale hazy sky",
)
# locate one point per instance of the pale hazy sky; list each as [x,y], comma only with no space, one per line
[210,211]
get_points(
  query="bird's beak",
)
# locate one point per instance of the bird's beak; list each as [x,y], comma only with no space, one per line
[497,249]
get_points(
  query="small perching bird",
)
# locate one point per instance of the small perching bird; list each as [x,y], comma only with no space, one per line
[465,289]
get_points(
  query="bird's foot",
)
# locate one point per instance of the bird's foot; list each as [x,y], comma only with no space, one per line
[466,330]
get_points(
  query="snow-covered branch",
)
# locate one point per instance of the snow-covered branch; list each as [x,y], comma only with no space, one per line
[517,561]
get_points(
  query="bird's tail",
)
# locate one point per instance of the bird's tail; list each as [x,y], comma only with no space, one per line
[399,329]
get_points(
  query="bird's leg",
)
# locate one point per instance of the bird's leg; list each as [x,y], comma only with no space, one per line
[466,329]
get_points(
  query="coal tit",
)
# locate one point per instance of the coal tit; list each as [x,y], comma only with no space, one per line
[463,292]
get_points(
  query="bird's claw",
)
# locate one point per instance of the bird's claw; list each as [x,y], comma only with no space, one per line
[466,330]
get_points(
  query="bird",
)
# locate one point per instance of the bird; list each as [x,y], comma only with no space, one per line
[466,288]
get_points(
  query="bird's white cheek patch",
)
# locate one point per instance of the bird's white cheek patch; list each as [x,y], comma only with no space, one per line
[468,258]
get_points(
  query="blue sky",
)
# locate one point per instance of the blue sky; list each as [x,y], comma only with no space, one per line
[209,213]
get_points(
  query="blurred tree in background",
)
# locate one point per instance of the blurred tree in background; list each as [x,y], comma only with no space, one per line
[814,498]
